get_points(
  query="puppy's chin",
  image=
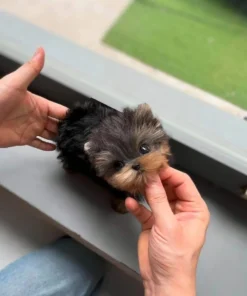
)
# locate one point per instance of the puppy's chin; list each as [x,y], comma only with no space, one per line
[134,181]
[127,180]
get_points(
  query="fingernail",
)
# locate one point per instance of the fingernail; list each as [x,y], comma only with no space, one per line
[36,54]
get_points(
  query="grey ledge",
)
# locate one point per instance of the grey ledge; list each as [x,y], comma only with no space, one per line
[192,122]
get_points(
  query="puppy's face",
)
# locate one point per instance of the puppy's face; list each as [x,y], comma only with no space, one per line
[126,147]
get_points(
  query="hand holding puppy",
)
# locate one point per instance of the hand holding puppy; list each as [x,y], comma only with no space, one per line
[172,234]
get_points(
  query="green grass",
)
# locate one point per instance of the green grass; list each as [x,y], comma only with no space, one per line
[203,42]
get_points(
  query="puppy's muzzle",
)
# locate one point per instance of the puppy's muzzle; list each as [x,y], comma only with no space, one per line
[151,162]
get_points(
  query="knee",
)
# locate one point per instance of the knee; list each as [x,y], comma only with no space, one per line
[61,268]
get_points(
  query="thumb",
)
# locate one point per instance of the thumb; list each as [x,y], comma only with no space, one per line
[157,199]
[23,76]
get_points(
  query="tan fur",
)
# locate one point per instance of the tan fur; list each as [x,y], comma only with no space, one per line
[134,182]
[127,179]
[152,162]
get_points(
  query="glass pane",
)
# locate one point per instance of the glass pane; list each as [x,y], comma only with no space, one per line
[203,42]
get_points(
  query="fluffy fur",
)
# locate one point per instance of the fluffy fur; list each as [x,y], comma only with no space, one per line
[119,148]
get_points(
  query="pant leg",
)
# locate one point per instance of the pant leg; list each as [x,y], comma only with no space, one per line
[64,268]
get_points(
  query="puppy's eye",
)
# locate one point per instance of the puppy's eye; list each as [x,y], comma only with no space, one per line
[144,149]
[118,165]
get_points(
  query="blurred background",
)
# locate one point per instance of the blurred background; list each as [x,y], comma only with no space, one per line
[196,45]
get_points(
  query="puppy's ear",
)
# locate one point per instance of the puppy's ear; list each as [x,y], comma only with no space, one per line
[143,110]
[143,115]
[87,147]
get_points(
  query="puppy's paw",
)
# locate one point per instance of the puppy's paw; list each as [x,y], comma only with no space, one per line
[68,169]
[118,205]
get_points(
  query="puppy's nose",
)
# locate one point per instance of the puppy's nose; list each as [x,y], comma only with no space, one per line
[136,167]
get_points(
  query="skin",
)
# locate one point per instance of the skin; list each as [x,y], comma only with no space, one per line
[173,232]
[25,116]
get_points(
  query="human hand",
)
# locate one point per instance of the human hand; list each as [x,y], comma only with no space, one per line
[25,116]
[172,234]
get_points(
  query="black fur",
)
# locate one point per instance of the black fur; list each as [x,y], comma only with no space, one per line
[110,137]
[74,132]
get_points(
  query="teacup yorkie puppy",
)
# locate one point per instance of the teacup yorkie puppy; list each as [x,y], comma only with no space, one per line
[117,148]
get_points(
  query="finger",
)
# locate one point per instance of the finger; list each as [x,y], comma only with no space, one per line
[51,125]
[56,110]
[173,204]
[48,135]
[182,184]
[142,214]
[23,76]
[51,109]
[157,200]
[169,192]
[39,144]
